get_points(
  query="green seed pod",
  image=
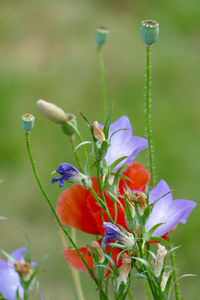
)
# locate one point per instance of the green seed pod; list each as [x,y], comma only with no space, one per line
[149,31]
[28,121]
[67,129]
[101,35]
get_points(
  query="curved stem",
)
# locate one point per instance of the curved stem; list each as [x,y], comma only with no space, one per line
[72,142]
[147,111]
[176,289]
[27,135]
[103,88]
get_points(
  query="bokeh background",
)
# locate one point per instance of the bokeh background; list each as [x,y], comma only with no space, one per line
[48,51]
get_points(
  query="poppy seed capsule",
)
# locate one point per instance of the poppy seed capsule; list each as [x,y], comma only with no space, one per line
[101,35]
[149,31]
[28,121]
[52,112]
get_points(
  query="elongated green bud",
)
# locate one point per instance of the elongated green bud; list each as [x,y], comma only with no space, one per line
[67,129]
[149,31]
[52,112]
[101,35]
[28,121]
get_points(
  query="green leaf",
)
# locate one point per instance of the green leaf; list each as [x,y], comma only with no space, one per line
[115,199]
[27,255]
[107,124]
[140,275]
[106,267]
[173,249]
[8,256]
[82,144]
[155,238]
[116,162]
[154,228]
[145,263]
[112,264]
[88,123]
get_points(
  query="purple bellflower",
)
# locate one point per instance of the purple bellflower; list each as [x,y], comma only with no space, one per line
[9,277]
[68,172]
[123,143]
[166,210]
[113,232]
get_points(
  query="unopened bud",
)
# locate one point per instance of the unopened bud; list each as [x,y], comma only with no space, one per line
[98,132]
[52,112]
[28,121]
[161,252]
[125,268]
[67,129]
[95,244]
[101,35]
[149,31]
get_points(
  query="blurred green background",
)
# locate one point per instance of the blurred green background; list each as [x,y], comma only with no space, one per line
[47,50]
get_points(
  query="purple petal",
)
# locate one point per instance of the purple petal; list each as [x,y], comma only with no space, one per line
[123,143]
[160,190]
[9,281]
[17,255]
[33,265]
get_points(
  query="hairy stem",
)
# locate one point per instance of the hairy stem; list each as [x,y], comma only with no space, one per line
[176,289]
[147,111]
[27,136]
[103,88]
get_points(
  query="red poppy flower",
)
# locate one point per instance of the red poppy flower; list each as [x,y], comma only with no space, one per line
[77,208]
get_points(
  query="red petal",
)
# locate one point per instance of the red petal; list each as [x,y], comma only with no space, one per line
[139,176]
[75,261]
[73,211]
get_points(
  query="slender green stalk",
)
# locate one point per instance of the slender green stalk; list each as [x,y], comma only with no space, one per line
[72,142]
[176,289]
[27,136]
[103,87]
[130,294]
[147,111]
[81,140]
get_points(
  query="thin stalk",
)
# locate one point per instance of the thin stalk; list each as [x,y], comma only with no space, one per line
[130,294]
[147,111]
[103,87]
[72,142]
[81,140]
[176,289]
[27,136]
[75,274]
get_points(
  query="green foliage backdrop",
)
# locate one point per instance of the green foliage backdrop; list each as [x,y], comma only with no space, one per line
[47,50]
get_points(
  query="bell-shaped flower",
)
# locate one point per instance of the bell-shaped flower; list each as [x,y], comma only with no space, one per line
[166,210]
[113,232]
[123,143]
[68,172]
[9,275]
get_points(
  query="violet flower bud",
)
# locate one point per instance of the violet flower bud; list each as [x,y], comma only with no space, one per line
[113,232]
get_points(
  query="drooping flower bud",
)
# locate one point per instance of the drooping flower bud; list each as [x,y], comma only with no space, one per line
[67,129]
[125,268]
[161,252]
[149,31]
[95,244]
[113,232]
[98,132]
[28,121]
[52,112]
[68,172]
[101,35]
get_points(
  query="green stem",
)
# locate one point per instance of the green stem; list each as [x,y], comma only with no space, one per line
[76,274]
[147,110]
[103,88]
[176,289]
[81,140]
[130,294]
[27,135]
[72,142]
